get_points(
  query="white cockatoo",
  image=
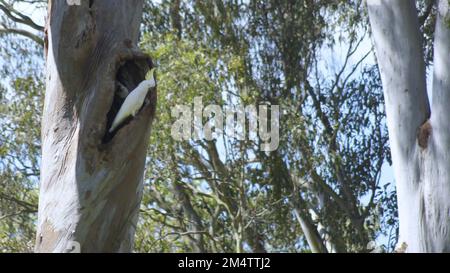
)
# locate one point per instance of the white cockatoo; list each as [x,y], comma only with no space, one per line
[134,101]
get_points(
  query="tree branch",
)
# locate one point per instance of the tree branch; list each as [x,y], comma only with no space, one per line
[24,33]
[18,17]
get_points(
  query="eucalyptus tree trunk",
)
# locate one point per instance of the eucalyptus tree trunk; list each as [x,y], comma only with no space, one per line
[419,132]
[91,181]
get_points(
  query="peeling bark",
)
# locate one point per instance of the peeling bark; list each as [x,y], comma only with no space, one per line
[419,134]
[91,182]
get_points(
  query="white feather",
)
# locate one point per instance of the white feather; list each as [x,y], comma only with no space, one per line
[133,102]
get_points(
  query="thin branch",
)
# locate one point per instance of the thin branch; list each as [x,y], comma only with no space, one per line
[24,33]
[18,17]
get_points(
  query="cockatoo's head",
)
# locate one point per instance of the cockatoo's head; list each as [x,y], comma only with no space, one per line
[150,75]
[150,78]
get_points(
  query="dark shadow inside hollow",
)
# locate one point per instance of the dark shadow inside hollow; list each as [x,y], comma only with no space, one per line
[128,76]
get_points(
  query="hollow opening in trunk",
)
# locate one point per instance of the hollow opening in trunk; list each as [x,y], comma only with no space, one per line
[128,76]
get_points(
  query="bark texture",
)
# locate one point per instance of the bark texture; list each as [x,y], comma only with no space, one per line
[91,181]
[419,134]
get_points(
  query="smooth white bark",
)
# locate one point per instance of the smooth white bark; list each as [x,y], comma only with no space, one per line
[420,146]
[437,184]
[90,188]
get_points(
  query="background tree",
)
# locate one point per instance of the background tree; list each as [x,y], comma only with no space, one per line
[419,132]
[21,100]
[227,195]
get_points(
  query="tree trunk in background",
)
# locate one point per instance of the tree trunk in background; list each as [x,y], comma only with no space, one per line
[91,181]
[419,135]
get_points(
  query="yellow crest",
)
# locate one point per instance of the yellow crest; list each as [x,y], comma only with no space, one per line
[150,74]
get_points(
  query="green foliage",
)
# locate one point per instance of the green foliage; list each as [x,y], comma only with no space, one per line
[19,163]
[334,140]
